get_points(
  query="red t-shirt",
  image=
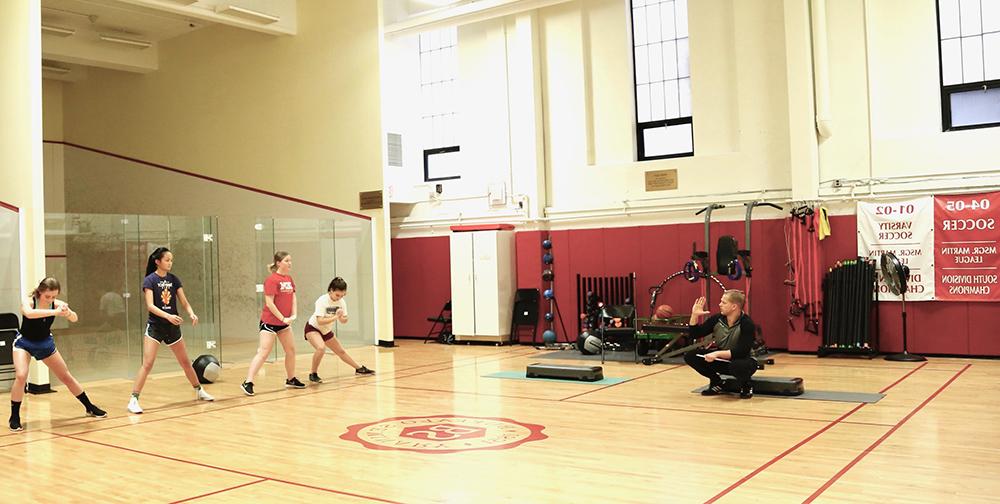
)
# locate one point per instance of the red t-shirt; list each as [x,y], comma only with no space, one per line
[281,287]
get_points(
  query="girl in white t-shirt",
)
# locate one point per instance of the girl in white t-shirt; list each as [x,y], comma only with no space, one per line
[330,308]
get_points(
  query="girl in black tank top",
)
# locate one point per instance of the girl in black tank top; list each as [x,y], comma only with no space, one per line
[36,341]
[37,329]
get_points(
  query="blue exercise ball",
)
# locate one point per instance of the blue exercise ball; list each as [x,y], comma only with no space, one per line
[549,336]
[547,258]
[549,294]
[549,316]
[546,244]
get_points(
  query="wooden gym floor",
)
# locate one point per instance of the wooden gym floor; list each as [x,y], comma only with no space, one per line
[934,437]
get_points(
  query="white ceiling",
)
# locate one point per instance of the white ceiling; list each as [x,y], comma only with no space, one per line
[153,21]
[115,16]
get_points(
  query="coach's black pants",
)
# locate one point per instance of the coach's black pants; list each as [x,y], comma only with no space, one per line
[741,369]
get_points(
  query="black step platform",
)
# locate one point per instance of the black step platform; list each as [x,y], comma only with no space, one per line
[582,373]
[768,385]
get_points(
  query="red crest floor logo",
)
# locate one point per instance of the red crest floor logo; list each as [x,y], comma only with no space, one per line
[443,434]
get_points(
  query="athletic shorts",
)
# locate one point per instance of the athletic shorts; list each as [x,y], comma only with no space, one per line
[39,349]
[326,336]
[166,334]
[272,328]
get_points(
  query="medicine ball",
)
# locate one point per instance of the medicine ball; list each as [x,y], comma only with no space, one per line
[549,317]
[546,244]
[207,368]
[547,258]
[591,345]
[549,294]
[549,337]
[548,275]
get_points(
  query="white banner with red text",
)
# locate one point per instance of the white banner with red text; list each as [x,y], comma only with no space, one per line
[905,228]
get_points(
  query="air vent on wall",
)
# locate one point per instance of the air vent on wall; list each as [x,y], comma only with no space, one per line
[394,149]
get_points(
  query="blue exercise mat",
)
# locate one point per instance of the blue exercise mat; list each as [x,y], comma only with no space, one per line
[519,375]
[822,395]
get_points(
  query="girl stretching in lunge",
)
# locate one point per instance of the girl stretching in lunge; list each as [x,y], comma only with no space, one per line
[39,309]
[330,307]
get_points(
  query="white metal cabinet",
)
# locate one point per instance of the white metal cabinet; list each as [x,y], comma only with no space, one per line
[482,284]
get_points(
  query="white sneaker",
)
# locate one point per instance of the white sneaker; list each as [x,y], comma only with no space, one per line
[204,396]
[133,405]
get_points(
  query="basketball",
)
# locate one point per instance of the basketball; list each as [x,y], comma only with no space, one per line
[663,312]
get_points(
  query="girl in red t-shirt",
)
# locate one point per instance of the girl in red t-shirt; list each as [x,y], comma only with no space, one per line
[275,319]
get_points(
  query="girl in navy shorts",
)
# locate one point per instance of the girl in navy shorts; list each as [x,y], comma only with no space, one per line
[34,339]
[163,292]
[275,319]
[330,307]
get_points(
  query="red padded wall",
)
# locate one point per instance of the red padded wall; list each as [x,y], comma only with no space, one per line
[421,282]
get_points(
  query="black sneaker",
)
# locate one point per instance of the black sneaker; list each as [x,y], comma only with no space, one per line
[294,382]
[247,388]
[94,411]
[313,377]
[15,425]
[713,389]
[363,370]
[746,391]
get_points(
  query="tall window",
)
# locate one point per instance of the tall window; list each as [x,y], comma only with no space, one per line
[664,127]
[969,35]
[438,73]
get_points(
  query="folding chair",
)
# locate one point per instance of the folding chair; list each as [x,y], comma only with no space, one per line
[8,330]
[443,318]
[622,333]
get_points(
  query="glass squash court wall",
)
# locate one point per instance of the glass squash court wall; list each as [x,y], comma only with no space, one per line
[322,250]
[100,260]
[10,281]
[10,262]
[246,227]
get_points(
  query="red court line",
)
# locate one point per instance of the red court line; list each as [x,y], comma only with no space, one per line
[10,207]
[219,491]
[213,179]
[234,471]
[614,405]
[885,436]
[798,445]
[619,383]
[729,413]
[358,383]
[823,364]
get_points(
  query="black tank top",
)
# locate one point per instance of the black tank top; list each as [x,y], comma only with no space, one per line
[37,329]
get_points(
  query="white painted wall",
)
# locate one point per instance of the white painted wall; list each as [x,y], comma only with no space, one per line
[754,95]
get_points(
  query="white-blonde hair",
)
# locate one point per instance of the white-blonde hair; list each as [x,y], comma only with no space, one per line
[735,296]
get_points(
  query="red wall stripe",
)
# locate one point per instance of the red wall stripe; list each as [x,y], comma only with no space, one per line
[10,207]
[212,179]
